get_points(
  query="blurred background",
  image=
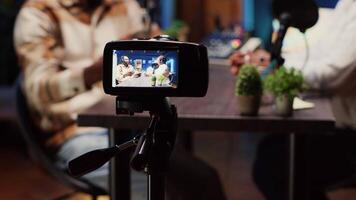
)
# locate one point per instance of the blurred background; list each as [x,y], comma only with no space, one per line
[224,26]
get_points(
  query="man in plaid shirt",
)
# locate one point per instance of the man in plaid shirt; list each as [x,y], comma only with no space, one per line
[59,45]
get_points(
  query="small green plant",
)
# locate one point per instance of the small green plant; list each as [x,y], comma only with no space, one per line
[153,81]
[248,82]
[284,81]
[174,29]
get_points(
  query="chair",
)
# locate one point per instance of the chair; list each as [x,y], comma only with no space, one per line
[37,151]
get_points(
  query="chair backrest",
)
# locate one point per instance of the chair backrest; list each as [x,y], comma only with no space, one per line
[32,134]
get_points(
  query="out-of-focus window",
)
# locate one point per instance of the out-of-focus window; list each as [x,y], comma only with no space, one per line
[8,64]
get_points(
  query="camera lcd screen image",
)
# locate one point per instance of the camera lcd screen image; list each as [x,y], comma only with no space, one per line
[145,68]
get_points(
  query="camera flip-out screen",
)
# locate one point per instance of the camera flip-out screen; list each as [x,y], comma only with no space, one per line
[145,68]
[155,68]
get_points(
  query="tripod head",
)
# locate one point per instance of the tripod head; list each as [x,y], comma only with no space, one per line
[153,147]
[156,144]
[156,105]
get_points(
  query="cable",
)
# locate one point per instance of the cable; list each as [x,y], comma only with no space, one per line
[307,51]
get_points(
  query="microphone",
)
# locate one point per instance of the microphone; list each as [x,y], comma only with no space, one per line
[285,21]
[303,13]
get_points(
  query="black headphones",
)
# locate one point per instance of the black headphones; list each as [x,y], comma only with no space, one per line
[163,59]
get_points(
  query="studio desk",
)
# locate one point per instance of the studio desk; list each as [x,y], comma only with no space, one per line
[217,111]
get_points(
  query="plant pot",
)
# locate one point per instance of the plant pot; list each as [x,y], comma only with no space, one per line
[248,105]
[284,105]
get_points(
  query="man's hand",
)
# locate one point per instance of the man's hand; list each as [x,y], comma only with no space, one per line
[93,73]
[259,57]
[130,73]
[236,61]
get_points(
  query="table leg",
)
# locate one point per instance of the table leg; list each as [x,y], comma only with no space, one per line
[119,168]
[291,165]
[185,137]
[298,177]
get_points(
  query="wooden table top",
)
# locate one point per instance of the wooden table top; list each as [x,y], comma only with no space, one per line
[217,111]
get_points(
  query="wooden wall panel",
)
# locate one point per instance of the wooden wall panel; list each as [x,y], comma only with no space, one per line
[192,12]
[200,14]
[227,10]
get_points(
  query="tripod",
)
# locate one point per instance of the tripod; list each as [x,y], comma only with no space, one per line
[153,147]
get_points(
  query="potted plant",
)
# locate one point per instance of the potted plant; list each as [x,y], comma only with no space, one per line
[179,30]
[153,81]
[285,84]
[248,90]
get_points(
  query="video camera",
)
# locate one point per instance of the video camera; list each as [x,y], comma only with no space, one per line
[155,67]
[142,73]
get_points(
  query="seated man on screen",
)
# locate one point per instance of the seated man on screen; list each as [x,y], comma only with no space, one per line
[124,70]
[59,44]
[159,67]
[159,70]
[162,67]
[331,68]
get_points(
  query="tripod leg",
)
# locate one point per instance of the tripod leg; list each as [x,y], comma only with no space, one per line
[156,186]
[120,168]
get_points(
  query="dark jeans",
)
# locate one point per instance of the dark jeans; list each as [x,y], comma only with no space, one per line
[322,161]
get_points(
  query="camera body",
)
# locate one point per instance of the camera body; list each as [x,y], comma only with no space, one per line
[155,68]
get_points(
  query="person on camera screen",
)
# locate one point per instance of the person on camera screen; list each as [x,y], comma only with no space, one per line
[162,66]
[124,70]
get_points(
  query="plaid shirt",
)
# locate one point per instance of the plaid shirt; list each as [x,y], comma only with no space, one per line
[55,41]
